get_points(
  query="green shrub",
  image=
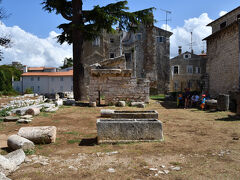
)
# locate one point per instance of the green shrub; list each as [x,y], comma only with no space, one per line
[29,151]
[9,93]
[28,91]
[4,112]
[158,97]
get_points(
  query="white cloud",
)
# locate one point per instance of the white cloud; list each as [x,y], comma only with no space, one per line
[34,51]
[182,35]
[222,13]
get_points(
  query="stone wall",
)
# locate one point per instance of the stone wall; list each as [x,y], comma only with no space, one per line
[228,18]
[223,60]
[117,84]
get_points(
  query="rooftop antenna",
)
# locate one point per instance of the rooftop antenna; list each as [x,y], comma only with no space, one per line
[166,20]
[203,47]
[191,45]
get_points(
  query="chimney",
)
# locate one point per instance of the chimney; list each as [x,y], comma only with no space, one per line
[25,69]
[179,50]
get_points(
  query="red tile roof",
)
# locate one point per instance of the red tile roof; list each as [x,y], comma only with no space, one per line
[39,68]
[66,73]
[203,54]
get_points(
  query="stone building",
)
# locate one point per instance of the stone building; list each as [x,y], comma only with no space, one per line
[187,70]
[223,54]
[146,51]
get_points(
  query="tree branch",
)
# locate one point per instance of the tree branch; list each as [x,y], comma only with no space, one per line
[65,16]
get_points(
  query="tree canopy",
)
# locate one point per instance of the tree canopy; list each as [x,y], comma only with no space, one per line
[97,19]
[4,40]
[6,74]
[68,62]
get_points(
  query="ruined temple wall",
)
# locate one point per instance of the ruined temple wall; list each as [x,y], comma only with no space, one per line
[117,84]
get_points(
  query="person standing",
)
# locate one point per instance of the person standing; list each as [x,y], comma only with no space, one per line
[187,97]
[203,102]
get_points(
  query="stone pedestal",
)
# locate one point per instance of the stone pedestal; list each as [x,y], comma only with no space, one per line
[129,130]
[223,102]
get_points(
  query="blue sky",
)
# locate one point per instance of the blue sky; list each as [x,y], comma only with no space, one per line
[28,14]
[33,30]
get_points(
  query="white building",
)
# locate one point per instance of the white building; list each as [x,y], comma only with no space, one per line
[44,80]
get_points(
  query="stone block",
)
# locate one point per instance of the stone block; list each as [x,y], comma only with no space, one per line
[17,157]
[3,176]
[134,115]
[11,119]
[107,113]
[129,130]
[25,121]
[223,102]
[211,104]
[138,104]
[69,102]
[33,111]
[121,104]
[59,102]
[26,117]
[11,161]
[54,109]
[93,104]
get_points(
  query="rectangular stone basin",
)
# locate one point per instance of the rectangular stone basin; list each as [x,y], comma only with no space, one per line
[129,114]
[129,130]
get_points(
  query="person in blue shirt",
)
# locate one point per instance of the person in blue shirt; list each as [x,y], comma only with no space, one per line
[203,102]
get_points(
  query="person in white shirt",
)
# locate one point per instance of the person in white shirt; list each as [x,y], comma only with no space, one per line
[194,100]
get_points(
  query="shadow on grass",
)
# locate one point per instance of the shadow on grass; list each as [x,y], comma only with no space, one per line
[230,118]
[169,104]
[6,149]
[88,142]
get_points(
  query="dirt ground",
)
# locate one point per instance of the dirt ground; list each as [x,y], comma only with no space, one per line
[197,145]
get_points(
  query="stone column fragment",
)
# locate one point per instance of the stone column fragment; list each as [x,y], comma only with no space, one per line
[17,142]
[39,134]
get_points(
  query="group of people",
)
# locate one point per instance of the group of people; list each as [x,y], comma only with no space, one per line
[189,100]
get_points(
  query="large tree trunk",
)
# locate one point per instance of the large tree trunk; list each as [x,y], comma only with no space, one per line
[78,69]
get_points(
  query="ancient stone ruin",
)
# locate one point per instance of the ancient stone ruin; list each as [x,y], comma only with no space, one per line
[129,126]
[112,80]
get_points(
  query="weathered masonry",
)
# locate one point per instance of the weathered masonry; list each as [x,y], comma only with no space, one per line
[116,84]
[223,67]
